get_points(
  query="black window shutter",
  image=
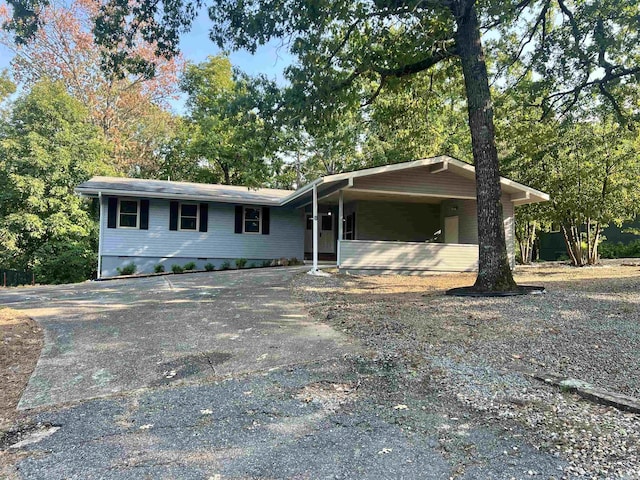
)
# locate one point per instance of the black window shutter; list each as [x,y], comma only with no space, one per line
[112,213]
[173,215]
[265,220]
[204,216]
[238,219]
[144,214]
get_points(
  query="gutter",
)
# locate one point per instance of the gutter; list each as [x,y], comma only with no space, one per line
[131,193]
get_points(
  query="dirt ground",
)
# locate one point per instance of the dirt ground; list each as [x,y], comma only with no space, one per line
[478,352]
[22,341]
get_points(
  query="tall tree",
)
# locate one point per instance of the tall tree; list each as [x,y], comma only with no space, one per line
[344,46]
[590,167]
[234,132]
[418,117]
[47,147]
[130,109]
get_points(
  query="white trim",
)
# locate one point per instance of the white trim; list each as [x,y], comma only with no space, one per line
[189,198]
[301,191]
[410,194]
[396,242]
[340,223]
[444,166]
[180,229]
[100,230]
[137,200]
[244,220]
[315,228]
[445,159]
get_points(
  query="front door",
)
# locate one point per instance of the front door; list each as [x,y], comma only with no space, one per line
[326,237]
[326,242]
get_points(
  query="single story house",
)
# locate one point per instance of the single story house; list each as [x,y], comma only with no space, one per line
[412,216]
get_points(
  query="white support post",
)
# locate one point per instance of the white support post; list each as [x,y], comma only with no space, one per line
[340,223]
[101,216]
[315,229]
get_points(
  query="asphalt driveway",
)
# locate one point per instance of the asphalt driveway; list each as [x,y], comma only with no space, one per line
[107,337]
[224,376]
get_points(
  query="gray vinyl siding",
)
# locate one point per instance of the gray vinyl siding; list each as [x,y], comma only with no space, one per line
[286,238]
[420,181]
[405,222]
[466,212]
[468,222]
[407,256]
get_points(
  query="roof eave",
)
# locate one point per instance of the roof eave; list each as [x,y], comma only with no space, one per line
[92,193]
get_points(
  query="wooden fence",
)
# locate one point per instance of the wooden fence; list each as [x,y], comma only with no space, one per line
[13,278]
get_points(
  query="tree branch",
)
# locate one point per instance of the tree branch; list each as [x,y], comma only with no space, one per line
[416,67]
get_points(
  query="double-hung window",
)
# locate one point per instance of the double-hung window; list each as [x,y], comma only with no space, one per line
[189,216]
[251,220]
[128,213]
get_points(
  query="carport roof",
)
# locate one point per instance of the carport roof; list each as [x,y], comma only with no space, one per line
[520,194]
[118,186]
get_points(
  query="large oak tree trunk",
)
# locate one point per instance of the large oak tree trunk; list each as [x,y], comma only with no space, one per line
[494,271]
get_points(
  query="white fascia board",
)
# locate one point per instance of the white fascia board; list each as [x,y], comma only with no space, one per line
[301,191]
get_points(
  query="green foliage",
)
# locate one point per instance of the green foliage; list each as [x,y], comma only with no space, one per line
[226,265]
[7,87]
[620,250]
[231,122]
[47,147]
[266,263]
[294,261]
[190,266]
[128,269]
[589,166]
[158,268]
[418,117]
[241,262]
[65,262]
[175,268]
[209,267]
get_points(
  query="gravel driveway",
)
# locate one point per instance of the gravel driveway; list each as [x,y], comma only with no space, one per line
[475,351]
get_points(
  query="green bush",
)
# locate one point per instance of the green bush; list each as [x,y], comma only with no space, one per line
[159,268]
[241,262]
[619,250]
[190,266]
[68,262]
[128,269]
[209,267]
[175,268]
[252,265]
[266,263]
[226,265]
[294,261]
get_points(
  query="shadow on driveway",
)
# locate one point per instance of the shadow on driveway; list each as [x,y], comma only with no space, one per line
[108,337]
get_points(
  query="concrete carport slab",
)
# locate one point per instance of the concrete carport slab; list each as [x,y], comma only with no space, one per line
[103,338]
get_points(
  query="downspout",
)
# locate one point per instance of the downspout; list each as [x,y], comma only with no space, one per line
[101,216]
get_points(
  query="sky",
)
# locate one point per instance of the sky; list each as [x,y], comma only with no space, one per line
[269,60]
